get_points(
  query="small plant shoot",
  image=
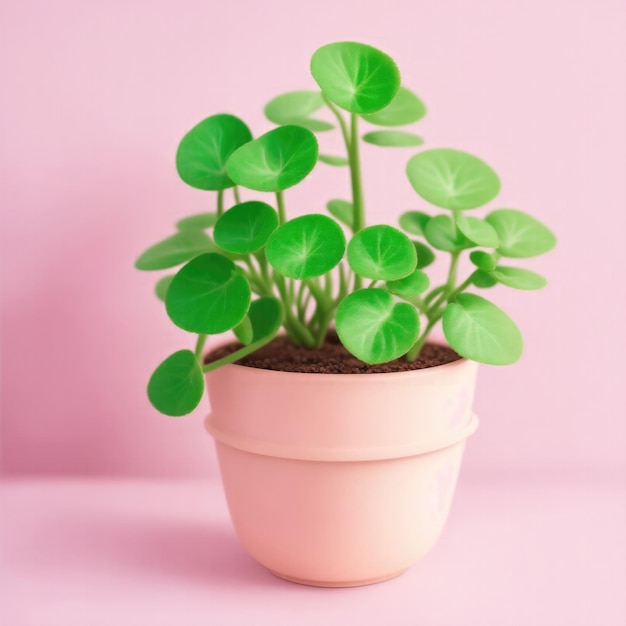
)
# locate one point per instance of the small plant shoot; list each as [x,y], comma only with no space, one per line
[248,265]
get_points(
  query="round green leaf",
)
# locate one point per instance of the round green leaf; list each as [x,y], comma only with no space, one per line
[375,328]
[246,227]
[275,161]
[266,318]
[452,179]
[413,285]
[425,256]
[295,107]
[306,246]
[357,77]
[393,138]
[203,152]
[208,295]
[442,234]
[342,211]
[162,286]
[177,385]
[483,280]
[405,108]
[174,250]
[200,221]
[520,234]
[483,260]
[337,161]
[243,330]
[414,222]
[519,278]
[381,252]
[480,232]
[479,330]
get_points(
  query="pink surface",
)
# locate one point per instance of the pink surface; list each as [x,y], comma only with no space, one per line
[164,554]
[97,95]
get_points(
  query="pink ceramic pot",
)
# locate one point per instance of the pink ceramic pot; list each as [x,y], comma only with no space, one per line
[340,480]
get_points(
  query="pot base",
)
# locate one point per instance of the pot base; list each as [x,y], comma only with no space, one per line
[336,584]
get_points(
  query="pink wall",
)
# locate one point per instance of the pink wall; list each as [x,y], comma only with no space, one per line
[96,97]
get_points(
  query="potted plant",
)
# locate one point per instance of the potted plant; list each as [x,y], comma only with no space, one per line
[339,472]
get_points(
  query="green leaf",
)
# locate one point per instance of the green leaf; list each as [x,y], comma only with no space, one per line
[452,179]
[441,234]
[356,77]
[203,152]
[243,331]
[208,295]
[200,221]
[162,286]
[425,256]
[393,138]
[375,328]
[520,235]
[174,250]
[337,161]
[266,317]
[342,211]
[405,108]
[382,253]
[413,285]
[275,161]
[306,246]
[414,222]
[479,330]
[177,385]
[246,227]
[483,260]
[519,278]
[295,107]
[480,232]
[483,280]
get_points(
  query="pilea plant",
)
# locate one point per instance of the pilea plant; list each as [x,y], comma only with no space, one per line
[251,269]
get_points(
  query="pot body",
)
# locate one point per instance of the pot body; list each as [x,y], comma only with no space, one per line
[340,480]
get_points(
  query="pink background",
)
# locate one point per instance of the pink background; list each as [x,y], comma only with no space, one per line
[96,97]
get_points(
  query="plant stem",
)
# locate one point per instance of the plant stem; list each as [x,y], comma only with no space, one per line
[340,119]
[220,203]
[355,171]
[280,203]
[236,194]
[200,346]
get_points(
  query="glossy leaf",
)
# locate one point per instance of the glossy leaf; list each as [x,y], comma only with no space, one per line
[295,107]
[203,152]
[266,318]
[336,161]
[478,330]
[357,77]
[200,221]
[413,285]
[246,227]
[414,222]
[177,385]
[381,253]
[480,232]
[519,278]
[442,234]
[208,295]
[483,260]
[374,327]
[306,246]
[520,234]
[452,179]
[174,250]
[342,211]
[393,138]
[275,161]
[162,286]
[405,108]
[483,280]
[425,256]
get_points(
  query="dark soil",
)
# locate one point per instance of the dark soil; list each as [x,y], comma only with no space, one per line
[281,355]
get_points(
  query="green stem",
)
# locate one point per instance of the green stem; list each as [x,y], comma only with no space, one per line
[238,354]
[341,120]
[433,294]
[199,347]
[414,352]
[355,171]
[280,203]
[372,284]
[236,194]
[220,203]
